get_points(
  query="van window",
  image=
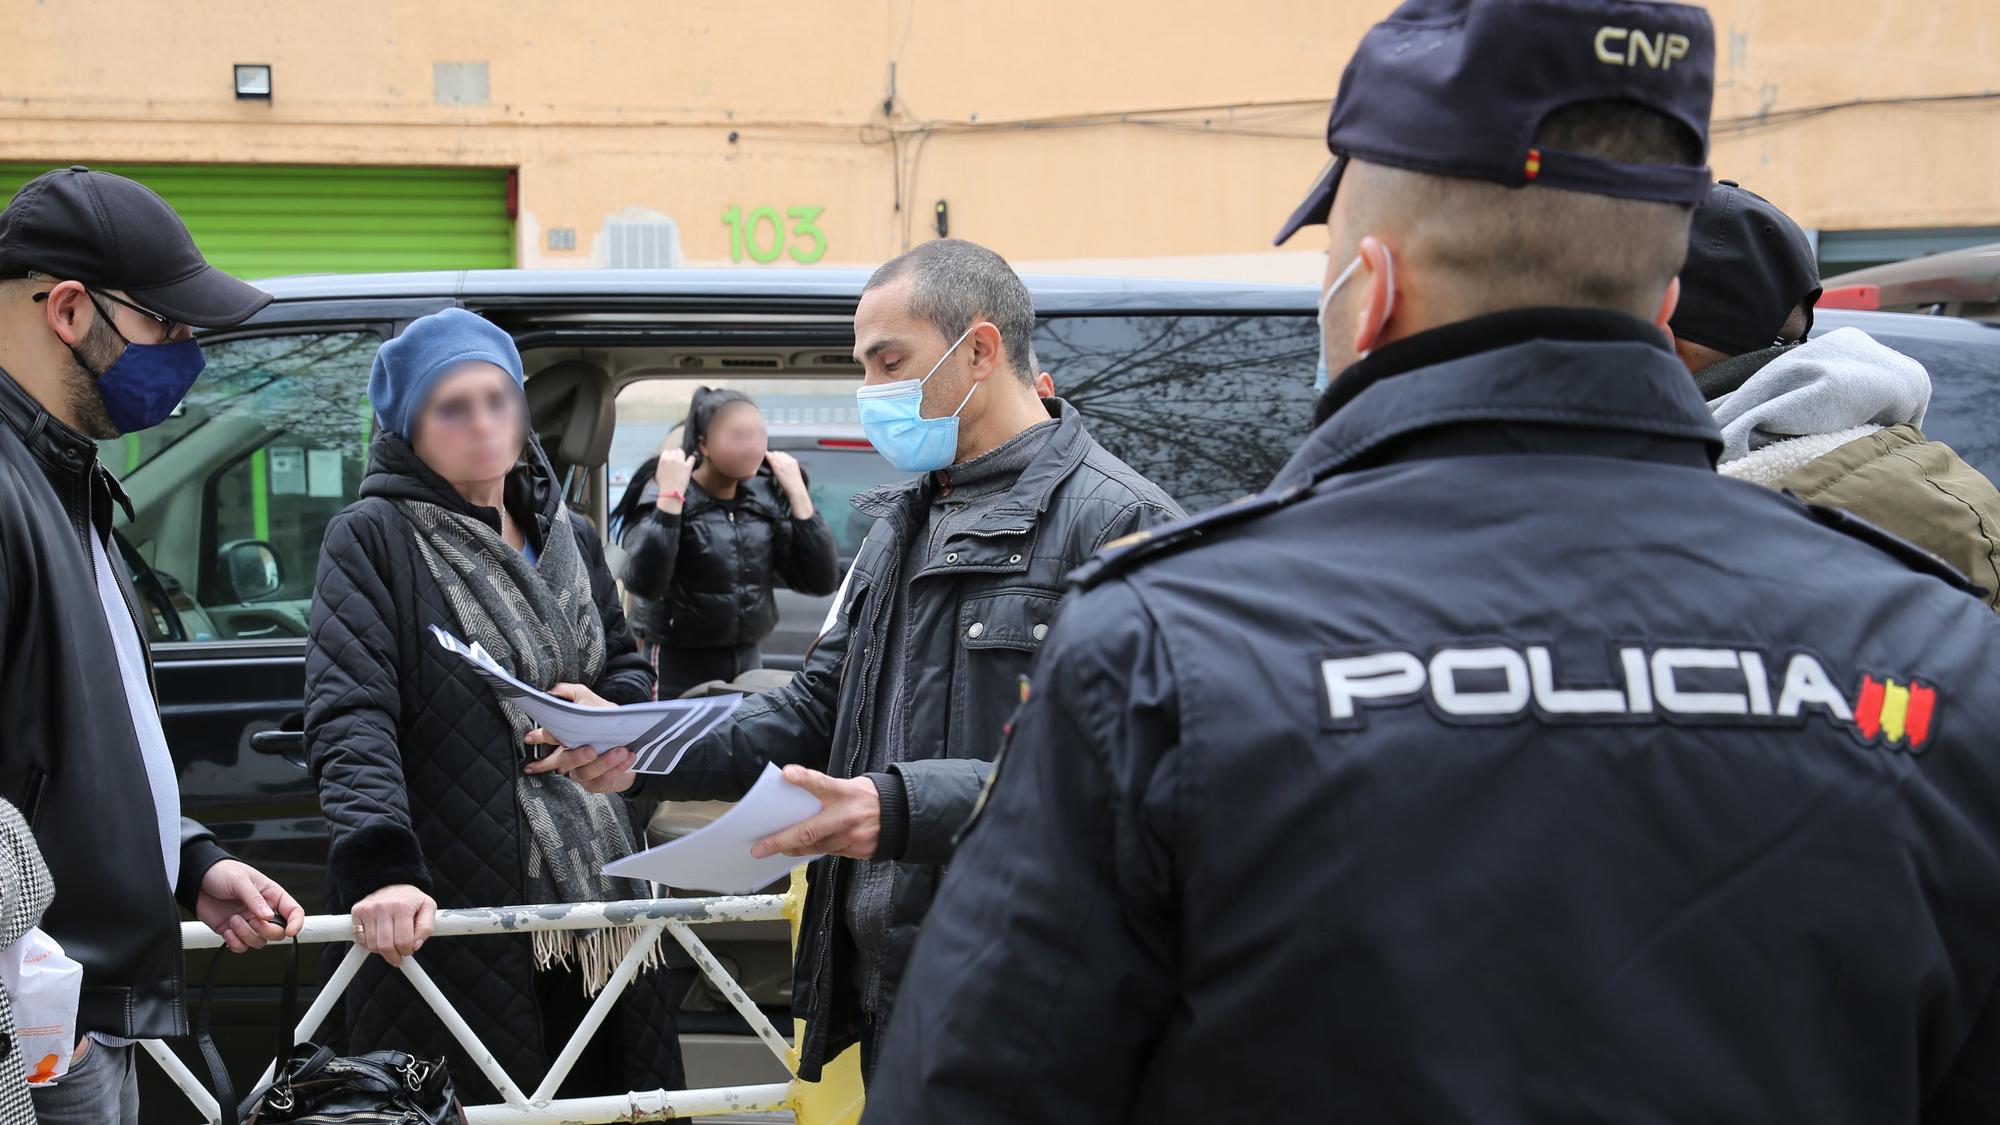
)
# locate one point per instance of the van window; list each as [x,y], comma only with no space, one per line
[1208,407]
[235,491]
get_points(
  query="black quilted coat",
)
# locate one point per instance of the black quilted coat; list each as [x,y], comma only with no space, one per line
[415,763]
[707,577]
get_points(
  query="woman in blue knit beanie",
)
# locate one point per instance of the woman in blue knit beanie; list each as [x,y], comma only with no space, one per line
[461,526]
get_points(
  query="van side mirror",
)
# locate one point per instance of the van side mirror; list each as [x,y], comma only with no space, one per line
[251,568]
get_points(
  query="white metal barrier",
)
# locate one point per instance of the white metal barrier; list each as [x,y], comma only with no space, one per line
[653,917]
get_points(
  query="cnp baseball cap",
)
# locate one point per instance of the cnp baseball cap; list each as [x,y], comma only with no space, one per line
[1748,266]
[1459,87]
[107,231]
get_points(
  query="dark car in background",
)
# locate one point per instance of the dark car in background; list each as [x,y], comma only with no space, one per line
[1203,387]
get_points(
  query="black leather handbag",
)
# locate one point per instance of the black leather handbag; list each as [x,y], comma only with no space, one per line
[311,1085]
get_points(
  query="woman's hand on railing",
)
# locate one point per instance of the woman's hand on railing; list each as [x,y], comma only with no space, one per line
[394,921]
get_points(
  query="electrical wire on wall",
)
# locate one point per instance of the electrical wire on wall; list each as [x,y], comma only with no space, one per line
[1264,120]
[1243,119]
[1771,119]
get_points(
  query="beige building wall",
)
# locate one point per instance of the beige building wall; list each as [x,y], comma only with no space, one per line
[1146,136]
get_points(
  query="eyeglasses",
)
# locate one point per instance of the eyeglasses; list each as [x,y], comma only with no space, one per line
[462,411]
[169,328]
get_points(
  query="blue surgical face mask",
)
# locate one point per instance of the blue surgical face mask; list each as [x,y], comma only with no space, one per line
[1323,377]
[892,420]
[143,385]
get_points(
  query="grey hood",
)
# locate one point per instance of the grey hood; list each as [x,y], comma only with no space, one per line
[1833,383]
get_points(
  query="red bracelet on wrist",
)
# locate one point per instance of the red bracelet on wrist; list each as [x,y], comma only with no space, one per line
[679,496]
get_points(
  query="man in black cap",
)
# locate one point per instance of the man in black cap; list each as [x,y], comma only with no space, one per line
[1495,764]
[100,287]
[1836,420]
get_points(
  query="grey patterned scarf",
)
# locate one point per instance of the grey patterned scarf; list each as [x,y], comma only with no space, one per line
[540,624]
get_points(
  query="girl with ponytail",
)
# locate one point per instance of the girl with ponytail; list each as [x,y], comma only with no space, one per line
[723,521]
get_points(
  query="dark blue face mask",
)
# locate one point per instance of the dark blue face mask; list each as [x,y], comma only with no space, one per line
[144,384]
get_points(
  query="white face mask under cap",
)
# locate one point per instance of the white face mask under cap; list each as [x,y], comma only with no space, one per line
[1324,377]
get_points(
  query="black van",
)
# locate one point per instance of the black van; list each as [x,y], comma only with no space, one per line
[1203,387]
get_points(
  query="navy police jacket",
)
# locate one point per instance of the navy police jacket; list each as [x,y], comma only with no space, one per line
[1502,763]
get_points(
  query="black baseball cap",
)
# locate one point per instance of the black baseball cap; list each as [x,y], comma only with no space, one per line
[1748,266]
[113,233]
[1459,87]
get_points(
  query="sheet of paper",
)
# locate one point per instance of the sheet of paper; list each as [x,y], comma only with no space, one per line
[658,733]
[717,857]
[288,470]
[323,473]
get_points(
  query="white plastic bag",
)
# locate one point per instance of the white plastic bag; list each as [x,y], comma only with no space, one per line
[44,986]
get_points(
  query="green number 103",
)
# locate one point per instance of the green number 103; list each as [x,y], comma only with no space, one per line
[762,236]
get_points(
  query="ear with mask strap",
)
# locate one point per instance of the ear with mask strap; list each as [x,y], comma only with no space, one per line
[1322,375]
[1388,301]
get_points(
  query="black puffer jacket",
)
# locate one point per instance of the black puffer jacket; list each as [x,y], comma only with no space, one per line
[415,763]
[707,576]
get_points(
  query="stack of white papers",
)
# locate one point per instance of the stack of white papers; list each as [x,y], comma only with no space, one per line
[657,733]
[717,857]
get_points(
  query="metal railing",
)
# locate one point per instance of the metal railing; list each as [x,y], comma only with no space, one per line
[653,917]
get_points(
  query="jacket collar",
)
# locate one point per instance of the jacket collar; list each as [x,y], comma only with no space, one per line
[65,451]
[1568,368]
[1724,376]
[1023,503]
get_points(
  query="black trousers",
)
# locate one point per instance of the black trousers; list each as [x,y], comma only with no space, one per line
[680,669]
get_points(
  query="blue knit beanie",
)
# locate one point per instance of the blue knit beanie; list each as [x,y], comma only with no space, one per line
[408,366]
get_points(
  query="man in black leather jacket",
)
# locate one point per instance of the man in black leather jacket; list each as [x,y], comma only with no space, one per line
[905,694]
[99,282]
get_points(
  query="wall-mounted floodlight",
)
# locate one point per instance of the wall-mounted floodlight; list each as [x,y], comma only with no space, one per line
[253,80]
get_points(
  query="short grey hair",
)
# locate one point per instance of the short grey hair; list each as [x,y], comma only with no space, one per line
[1489,247]
[955,283]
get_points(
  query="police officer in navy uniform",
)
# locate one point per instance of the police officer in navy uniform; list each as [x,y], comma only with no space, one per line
[1501,762]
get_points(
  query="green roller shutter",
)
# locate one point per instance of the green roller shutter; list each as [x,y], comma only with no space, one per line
[263,220]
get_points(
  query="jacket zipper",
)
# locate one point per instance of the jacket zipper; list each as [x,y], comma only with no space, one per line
[869,659]
[736,549]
